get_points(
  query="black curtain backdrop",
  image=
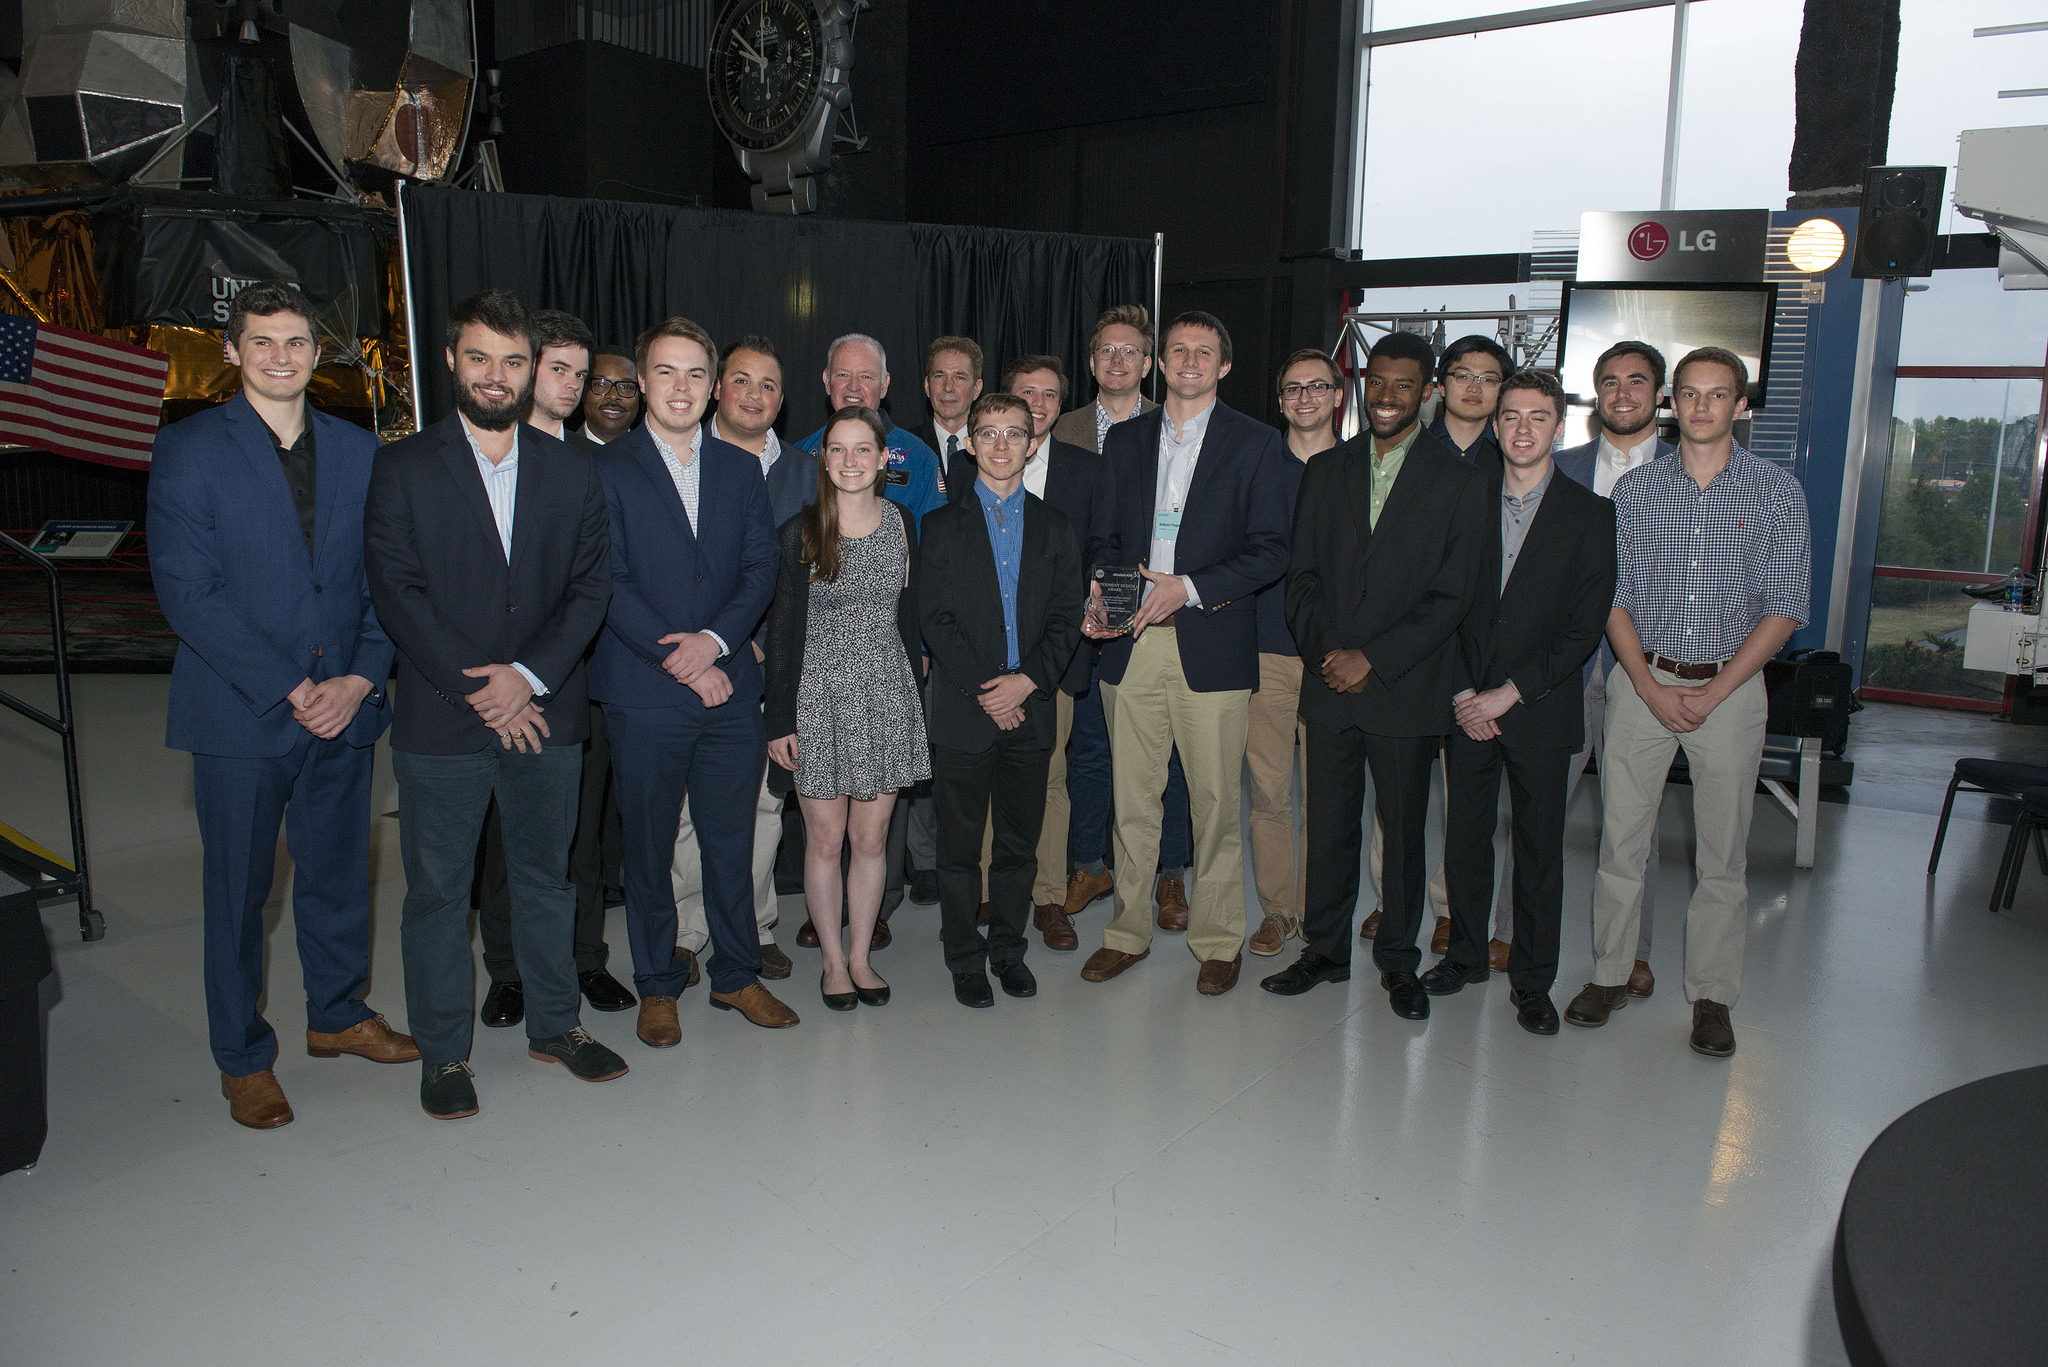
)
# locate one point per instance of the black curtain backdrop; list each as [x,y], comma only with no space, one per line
[799,281]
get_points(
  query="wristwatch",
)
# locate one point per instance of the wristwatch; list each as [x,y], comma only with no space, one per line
[779,81]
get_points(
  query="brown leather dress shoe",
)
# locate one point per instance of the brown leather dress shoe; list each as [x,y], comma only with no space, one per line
[1641,981]
[981,914]
[883,938]
[257,1101]
[658,1027]
[1497,955]
[1173,904]
[758,1005]
[373,1039]
[1595,1004]
[807,935]
[1055,925]
[1218,976]
[1440,938]
[1371,928]
[1272,934]
[1083,888]
[694,969]
[1105,963]
[774,963]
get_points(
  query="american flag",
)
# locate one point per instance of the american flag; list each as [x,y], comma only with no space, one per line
[78,395]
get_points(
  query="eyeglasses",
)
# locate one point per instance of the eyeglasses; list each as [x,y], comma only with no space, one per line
[1307,389]
[1003,436]
[625,389]
[1106,354]
[1473,377]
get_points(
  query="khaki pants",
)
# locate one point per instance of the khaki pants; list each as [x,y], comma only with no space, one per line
[1274,726]
[1723,754]
[1149,713]
[686,875]
[1052,836]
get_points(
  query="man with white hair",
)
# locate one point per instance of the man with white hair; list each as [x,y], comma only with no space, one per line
[857,373]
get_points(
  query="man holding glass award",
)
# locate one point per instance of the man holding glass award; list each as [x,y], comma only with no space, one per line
[1190,522]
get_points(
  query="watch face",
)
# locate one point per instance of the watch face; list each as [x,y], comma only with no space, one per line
[765,63]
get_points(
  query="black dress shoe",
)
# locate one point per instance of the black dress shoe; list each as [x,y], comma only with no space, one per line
[1449,976]
[1298,977]
[604,992]
[504,1004]
[1017,980]
[774,963]
[924,887]
[1534,1012]
[838,1001]
[972,989]
[1405,995]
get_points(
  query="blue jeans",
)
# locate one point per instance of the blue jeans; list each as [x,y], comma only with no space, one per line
[441,805]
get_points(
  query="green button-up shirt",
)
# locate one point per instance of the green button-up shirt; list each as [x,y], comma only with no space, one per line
[1386,468]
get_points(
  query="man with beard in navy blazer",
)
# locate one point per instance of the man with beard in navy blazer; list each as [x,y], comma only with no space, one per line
[694,559]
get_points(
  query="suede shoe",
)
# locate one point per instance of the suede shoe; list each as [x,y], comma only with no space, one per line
[446,1092]
[1055,926]
[1017,980]
[604,992]
[1173,904]
[1450,976]
[1084,888]
[972,989]
[1534,1011]
[1298,977]
[1106,963]
[373,1039]
[1218,976]
[1595,1004]
[1641,981]
[758,1005]
[774,963]
[1405,996]
[504,1005]
[1712,1034]
[658,1027]
[924,888]
[1370,928]
[578,1051]
[255,1100]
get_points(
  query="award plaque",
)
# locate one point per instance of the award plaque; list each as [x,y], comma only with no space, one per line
[1121,587]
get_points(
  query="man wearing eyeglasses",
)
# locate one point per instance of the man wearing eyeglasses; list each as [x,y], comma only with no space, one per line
[611,400]
[1469,378]
[999,641]
[1119,357]
[1308,401]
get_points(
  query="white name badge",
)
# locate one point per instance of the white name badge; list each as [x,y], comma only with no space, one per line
[1165,525]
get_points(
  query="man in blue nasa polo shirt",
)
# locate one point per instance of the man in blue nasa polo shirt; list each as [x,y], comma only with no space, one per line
[857,373]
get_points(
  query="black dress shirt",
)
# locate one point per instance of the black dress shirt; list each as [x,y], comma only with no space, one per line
[297,460]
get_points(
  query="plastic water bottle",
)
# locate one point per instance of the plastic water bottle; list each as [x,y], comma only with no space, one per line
[2015,590]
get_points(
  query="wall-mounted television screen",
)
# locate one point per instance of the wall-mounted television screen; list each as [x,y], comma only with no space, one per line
[1673,318]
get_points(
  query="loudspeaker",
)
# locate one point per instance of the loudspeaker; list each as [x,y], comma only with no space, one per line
[1896,225]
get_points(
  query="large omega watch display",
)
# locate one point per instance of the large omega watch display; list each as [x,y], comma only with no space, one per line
[778,80]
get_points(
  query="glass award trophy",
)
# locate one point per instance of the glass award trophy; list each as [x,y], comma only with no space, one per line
[1121,587]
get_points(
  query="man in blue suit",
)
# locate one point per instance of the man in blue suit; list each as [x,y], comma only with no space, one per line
[693,558]
[256,547]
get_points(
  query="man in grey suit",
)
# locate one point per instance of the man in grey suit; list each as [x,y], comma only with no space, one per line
[1628,380]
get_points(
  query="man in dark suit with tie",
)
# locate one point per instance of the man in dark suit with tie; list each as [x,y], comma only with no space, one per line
[693,559]
[952,382]
[488,558]
[1389,530]
[256,547]
[1000,639]
[1193,494]
[1538,610]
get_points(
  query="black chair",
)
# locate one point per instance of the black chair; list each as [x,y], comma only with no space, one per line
[2033,816]
[2002,778]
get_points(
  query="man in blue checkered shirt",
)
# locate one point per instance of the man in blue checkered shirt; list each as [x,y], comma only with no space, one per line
[1715,573]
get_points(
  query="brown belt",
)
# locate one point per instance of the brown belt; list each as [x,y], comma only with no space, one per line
[1678,668]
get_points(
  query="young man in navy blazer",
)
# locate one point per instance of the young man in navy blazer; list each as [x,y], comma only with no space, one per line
[256,546]
[1194,495]
[488,558]
[693,563]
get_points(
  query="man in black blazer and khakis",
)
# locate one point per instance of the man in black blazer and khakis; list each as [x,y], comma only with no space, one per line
[1000,610]
[1538,610]
[488,558]
[1389,532]
[1193,493]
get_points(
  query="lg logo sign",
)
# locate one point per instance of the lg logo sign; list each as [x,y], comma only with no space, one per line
[1649,239]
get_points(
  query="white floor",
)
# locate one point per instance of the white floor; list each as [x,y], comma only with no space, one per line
[1109,1174]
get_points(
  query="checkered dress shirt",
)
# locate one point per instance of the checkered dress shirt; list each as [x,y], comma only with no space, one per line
[1698,568]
